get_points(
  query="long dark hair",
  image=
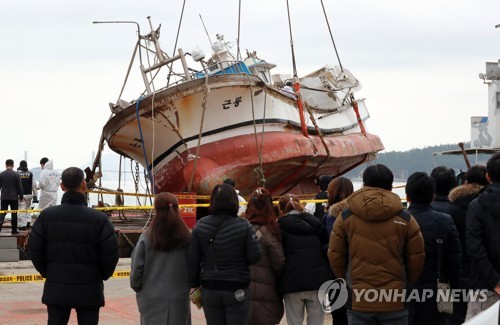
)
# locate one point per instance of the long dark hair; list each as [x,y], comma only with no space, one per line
[167,231]
[260,211]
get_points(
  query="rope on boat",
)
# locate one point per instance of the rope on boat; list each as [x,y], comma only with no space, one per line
[204,107]
[142,137]
[151,176]
[126,239]
[259,171]
[174,128]
[320,134]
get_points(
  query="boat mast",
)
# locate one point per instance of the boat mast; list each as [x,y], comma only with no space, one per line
[153,36]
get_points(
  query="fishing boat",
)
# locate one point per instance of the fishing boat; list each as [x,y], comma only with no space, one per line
[224,116]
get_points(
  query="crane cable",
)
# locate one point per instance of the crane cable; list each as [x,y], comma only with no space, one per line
[176,40]
[331,35]
[296,78]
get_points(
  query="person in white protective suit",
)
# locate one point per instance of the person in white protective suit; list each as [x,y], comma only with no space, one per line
[48,185]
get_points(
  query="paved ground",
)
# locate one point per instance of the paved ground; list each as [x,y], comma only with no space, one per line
[20,302]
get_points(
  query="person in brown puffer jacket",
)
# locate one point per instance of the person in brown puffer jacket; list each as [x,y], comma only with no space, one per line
[266,307]
[376,244]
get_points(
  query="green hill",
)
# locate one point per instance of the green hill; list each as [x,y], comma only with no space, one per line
[405,163]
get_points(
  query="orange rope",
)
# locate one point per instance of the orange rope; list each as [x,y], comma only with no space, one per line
[301,109]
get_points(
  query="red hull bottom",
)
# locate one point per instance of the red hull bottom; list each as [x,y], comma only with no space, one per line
[290,162]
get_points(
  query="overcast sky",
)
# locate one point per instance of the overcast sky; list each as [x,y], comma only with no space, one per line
[418,62]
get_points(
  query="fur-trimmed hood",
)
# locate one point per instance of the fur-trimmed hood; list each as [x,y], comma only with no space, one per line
[335,209]
[464,191]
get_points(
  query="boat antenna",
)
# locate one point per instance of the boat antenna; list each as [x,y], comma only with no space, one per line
[205,29]
[120,22]
[135,48]
[238,53]
[155,36]
[331,35]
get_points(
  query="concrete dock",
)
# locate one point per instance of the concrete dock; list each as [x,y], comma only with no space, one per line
[20,302]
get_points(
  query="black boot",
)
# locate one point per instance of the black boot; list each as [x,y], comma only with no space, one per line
[14,226]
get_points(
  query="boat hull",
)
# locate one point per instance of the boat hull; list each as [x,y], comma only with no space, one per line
[194,135]
[290,162]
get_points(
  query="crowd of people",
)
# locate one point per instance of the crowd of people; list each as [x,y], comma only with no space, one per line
[271,261]
[19,191]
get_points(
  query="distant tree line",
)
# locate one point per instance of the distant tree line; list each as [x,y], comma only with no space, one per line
[405,163]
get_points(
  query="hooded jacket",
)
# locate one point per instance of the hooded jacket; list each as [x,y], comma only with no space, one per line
[482,238]
[376,244]
[329,219]
[48,185]
[460,198]
[306,267]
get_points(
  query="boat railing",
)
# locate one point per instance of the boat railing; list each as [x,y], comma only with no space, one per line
[217,68]
[181,56]
[224,67]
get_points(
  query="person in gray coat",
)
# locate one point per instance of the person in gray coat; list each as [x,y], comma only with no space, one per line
[159,274]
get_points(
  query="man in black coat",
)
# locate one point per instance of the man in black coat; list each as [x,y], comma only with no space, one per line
[433,225]
[482,239]
[445,180]
[74,248]
[460,198]
[12,191]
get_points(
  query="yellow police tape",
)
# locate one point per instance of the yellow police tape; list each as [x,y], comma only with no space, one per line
[147,207]
[150,207]
[38,278]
